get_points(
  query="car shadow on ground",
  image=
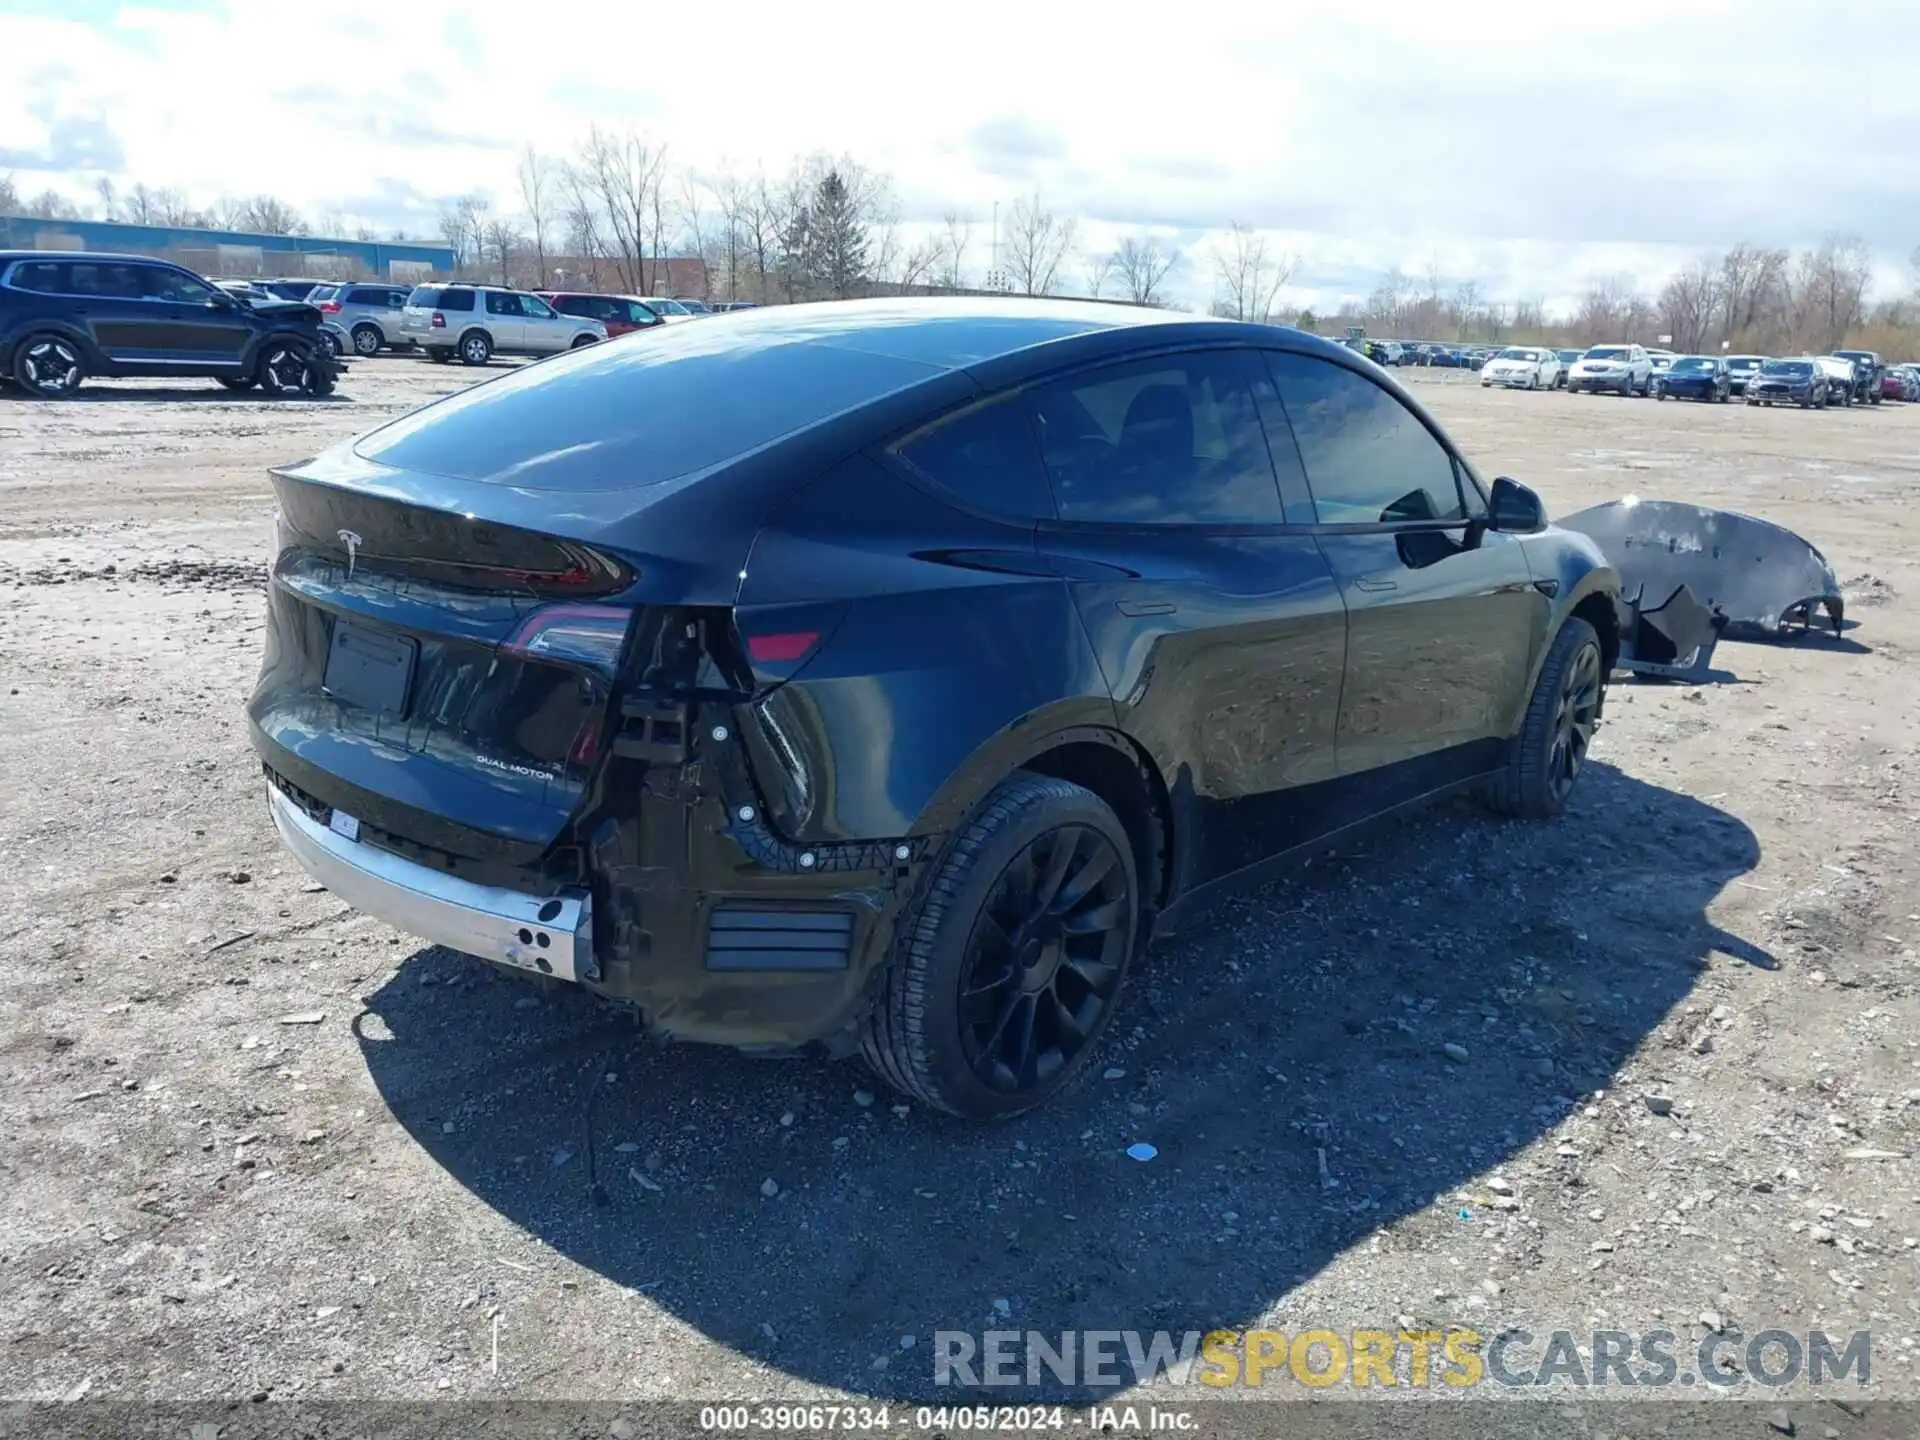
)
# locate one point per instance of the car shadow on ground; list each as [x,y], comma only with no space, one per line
[1289,1063]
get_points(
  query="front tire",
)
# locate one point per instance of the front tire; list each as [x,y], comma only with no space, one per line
[1005,973]
[1546,758]
[48,366]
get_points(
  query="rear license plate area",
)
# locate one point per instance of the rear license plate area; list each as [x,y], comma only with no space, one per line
[370,670]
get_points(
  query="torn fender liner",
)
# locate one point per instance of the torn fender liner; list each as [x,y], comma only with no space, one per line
[1673,639]
[1756,576]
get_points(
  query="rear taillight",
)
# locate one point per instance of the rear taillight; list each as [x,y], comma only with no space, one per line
[591,635]
[439,321]
[782,649]
[330,307]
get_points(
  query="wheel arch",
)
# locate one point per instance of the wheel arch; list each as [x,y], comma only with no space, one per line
[96,362]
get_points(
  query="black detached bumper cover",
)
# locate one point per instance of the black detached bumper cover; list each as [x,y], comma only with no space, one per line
[1689,574]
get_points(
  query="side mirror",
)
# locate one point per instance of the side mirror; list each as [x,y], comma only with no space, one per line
[224,300]
[1514,509]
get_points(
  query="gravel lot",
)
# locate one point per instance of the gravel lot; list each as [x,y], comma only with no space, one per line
[254,1145]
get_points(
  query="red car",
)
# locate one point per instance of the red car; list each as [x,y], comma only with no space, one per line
[619,314]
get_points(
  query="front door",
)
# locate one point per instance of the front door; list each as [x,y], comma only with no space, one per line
[546,332]
[1217,623]
[506,320]
[195,326]
[1443,615]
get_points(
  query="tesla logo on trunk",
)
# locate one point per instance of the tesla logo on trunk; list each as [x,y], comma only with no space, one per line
[352,542]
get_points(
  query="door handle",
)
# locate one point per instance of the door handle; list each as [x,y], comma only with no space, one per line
[1375,584]
[1138,608]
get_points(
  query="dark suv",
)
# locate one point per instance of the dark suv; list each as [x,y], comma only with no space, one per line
[67,316]
[884,674]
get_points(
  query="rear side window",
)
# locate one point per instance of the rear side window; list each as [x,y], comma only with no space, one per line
[118,282]
[43,277]
[360,297]
[1369,459]
[435,297]
[987,456]
[1173,441]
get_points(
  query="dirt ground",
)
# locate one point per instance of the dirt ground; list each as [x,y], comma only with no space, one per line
[255,1145]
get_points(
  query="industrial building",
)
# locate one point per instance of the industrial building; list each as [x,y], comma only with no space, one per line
[233,254]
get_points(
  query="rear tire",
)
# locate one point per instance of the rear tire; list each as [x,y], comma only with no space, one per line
[48,366]
[1547,757]
[998,988]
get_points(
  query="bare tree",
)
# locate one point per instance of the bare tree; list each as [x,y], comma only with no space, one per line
[269,215]
[624,173]
[536,181]
[1098,269]
[1689,302]
[9,196]
[766,216]
[1829,288]
[1249,273]
[1037,242]
[1143,265]
[1605,308]
[50,205]
[500,242]
[954,241]
[463,224]
[919,263]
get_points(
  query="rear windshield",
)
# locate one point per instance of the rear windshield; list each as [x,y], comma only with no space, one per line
[619,417]
[1788,369]
[322,292]
[1606,352]
[436,297]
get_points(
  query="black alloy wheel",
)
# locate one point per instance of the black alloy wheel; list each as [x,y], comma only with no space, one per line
[1006,971]
[1044,960]
[283,368]
[1546,758]
[48,366]
[1576,714]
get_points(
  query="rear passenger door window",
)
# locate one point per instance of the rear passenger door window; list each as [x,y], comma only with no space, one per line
[1169,441]
[985,456]
[1369,459]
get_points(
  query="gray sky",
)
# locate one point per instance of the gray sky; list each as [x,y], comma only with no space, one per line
[1530,146]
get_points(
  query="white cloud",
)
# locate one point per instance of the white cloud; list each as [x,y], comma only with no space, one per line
[1530,146]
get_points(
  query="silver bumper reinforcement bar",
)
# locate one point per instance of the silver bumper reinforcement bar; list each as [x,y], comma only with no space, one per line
[548,935]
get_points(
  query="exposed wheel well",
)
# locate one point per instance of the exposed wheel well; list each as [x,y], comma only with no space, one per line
[1133,789]
[1598,611]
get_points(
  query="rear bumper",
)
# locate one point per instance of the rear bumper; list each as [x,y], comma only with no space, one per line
[545,934]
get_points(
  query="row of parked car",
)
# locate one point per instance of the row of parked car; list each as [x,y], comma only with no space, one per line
[1846,377]
[366,317]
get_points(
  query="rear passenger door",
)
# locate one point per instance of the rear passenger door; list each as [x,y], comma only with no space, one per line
[109,302]
[1212,612]
[1443,618]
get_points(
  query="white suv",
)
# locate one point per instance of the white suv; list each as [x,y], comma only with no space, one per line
[1624,369]
[477,322]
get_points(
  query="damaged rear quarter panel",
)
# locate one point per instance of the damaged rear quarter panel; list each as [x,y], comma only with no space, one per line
[888,730]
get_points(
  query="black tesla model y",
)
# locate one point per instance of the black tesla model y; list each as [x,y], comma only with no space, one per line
[882,675]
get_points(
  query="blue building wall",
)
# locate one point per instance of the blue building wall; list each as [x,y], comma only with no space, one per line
[280,252]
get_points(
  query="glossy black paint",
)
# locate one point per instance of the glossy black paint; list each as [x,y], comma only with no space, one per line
[833,649]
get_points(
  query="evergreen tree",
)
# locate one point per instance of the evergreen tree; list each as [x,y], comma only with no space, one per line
[837,240]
